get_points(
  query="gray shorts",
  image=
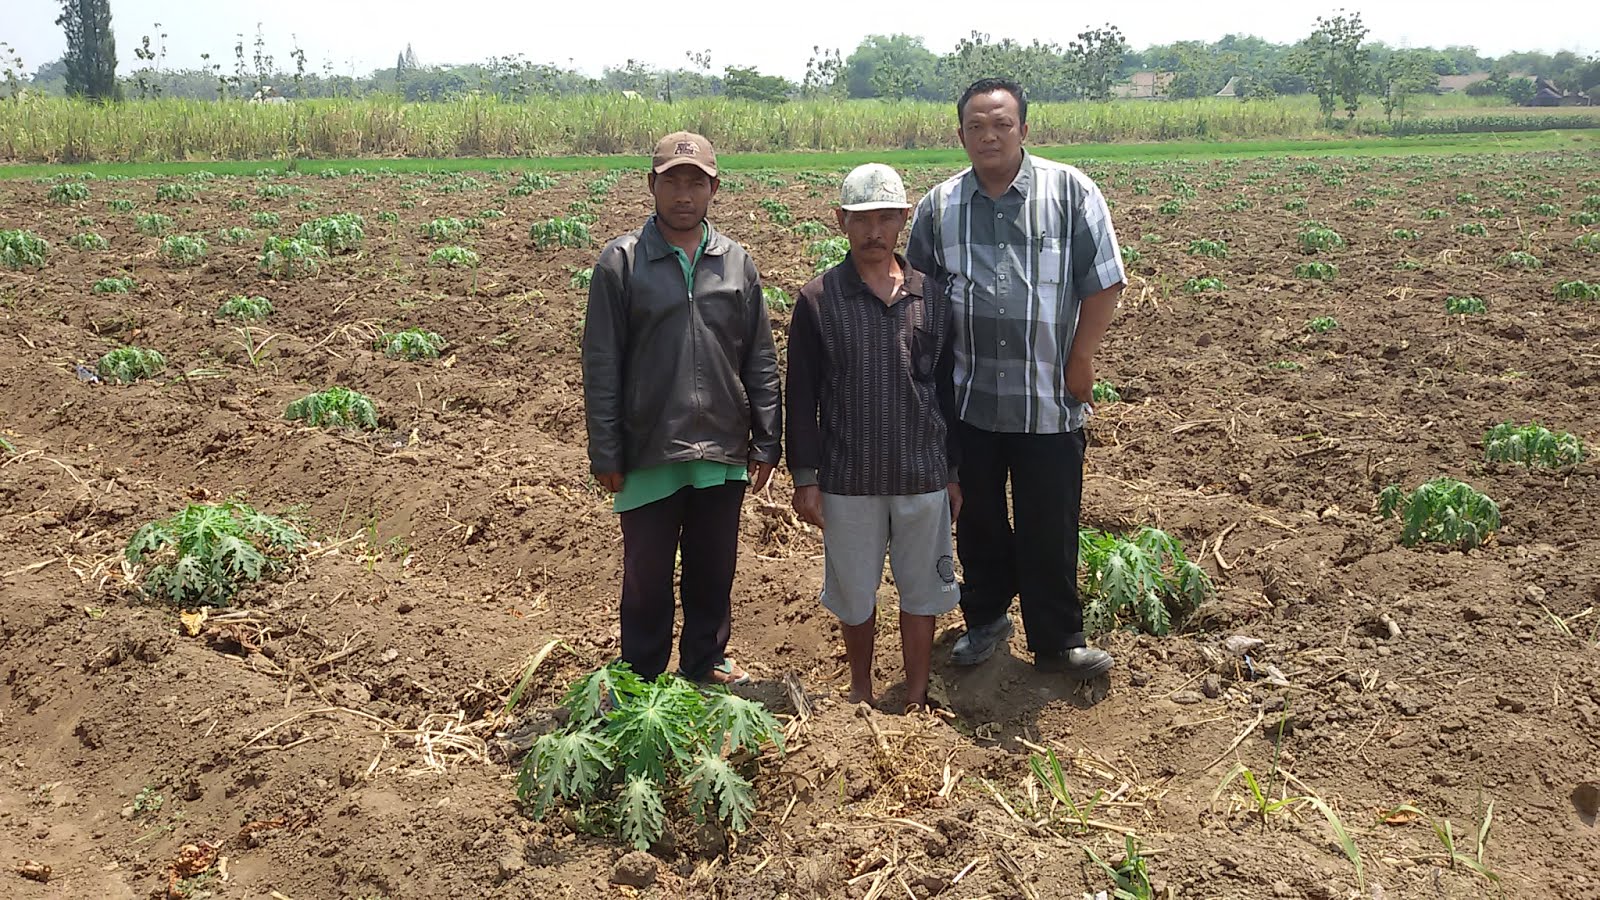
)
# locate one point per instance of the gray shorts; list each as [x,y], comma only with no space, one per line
[914,530]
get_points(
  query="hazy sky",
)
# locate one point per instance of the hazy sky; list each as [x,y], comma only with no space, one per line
[776,38]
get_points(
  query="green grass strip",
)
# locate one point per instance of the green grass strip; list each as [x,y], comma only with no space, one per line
[1514,142]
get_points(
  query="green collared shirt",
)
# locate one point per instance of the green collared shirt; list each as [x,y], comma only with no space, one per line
[646,486]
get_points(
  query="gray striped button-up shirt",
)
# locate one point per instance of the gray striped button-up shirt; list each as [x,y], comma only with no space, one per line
[1017,268]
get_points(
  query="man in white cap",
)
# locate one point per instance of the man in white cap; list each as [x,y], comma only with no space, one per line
[871,400]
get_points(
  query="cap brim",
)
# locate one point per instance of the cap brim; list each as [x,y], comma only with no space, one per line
[881,204]
[686,161]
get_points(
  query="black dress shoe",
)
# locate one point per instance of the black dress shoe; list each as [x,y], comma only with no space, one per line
[978,644]
[1081,663]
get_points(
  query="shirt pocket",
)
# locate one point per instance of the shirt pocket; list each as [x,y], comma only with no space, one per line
[1052,260]
[924,353]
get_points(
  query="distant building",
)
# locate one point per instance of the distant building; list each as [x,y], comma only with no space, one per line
[1454,84]
[1545,93]
[268,94]
[1458,84]
[1143,86]
[1231,89]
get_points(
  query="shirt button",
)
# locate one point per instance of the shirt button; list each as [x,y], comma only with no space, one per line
[1002,245]
[1002,374]
[1002,312]
[1002,343]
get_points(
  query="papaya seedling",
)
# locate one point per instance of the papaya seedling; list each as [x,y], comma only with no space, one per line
[205,553]
[1204,285]
[1315,237]
[635,754]
[560,232]
[129,364]
[88,240]
[1532,445]
[175,191]
[112,286]
[153,224]
[290,257]
[531,183]
[1441,511]
[776,210]
[445,228]
[20,248]
[68,192]
[1464,306]
[247,309]
[184,249]
[454,257]
[336,407]
[1578,289]
[337,233]
[1316,271]
[777,299]
[1144,581]
[828,252]
[412,344]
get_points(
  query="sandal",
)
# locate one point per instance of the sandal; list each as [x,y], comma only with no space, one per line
[726,674]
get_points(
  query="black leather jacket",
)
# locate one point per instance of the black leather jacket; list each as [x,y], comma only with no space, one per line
[672,378]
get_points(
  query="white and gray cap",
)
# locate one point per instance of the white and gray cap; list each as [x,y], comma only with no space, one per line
[873,186]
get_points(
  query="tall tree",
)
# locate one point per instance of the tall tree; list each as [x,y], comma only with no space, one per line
[749,84]
[1334,61]
[1096,58]
[912,63]
[91,49]
[1403,74]
[823,75]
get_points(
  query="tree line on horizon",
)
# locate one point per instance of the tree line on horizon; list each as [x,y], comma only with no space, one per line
[1335,62]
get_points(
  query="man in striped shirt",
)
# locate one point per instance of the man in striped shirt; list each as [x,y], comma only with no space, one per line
[870,445]
[1025,249]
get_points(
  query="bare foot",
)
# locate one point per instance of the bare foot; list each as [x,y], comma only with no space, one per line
[861,697]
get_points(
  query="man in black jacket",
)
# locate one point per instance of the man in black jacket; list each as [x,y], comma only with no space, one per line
[680,386]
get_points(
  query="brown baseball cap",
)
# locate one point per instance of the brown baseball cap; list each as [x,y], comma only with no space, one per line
[684,148]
